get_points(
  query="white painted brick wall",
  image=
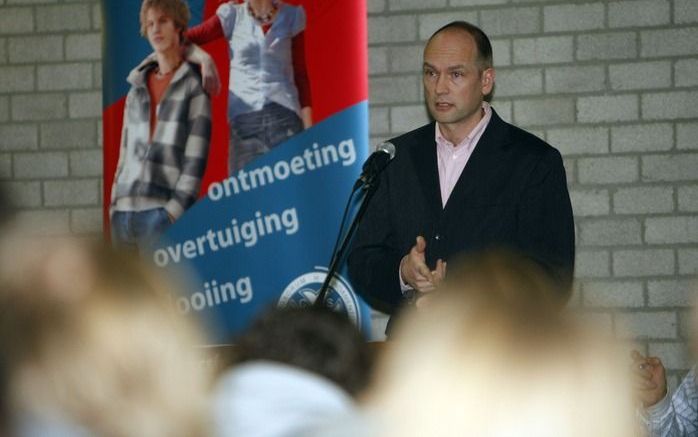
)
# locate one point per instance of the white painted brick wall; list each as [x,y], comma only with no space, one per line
[83,47]
[611,83]
[580,140]
[685,11]
[610,232]
[4,108]
[78,192]
[544,112]
[600,109]
[39,107]
[688,261]
[18,137]
[33,49]
[686,323]
[68,134]
[428,23]
[617,45]
[676,167]
[592,264]
[640,75]
[570,18]
[687,135]
[590,202]
[543,50]
[674,354]
[685,72]
[639,13]
[16,79]
[643,262]
[403,118]
[688,198]
[608,170]
[5,167]
[650,325]
[668,230]
[511,21]
[16,20]
[401,5]
[519,82]
[614,294]
[672,105]
[63,17]
[671,293]
[668,42]
[571,79]
[642,138]
[643,200]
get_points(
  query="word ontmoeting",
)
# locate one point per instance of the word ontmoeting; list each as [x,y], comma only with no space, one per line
[312,158]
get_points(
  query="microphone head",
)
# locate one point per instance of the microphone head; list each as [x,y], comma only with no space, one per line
[388,148]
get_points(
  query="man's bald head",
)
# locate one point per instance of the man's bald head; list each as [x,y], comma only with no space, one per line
[482,42]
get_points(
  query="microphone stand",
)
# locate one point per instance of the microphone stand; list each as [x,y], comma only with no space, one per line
[369,188]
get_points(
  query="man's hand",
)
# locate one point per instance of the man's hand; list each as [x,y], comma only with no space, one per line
[415,271]
[649,378]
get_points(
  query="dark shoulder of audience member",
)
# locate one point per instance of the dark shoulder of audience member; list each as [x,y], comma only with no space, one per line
[317,340]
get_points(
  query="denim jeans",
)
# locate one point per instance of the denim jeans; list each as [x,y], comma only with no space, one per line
[255,133]
[138,229]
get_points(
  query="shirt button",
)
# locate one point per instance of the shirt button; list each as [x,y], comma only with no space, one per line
[437,237]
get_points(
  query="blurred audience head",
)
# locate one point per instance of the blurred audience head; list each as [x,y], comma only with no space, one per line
[493,355]
[317,340]
[91,342]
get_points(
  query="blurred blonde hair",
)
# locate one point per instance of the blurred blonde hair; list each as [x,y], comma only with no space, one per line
[90,336]
[494,355]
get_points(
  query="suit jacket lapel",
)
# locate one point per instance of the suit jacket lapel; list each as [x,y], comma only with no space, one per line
[423,151]
[482,163]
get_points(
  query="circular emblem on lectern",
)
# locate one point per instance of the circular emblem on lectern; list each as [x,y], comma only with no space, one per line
[303,291]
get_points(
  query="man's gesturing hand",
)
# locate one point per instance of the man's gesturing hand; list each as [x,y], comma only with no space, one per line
[415,271]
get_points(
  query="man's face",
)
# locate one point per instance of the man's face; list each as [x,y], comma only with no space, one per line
[162,33]
[454,86]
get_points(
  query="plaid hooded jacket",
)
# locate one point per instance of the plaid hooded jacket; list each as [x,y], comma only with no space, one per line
[164,171]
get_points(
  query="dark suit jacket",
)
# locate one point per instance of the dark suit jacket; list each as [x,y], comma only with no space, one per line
[512,194]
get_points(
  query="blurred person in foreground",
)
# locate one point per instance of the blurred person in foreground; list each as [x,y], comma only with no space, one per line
[491,354]
[293,370]
[666,415]
[92,346]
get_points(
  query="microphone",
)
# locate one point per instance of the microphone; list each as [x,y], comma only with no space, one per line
[375,163]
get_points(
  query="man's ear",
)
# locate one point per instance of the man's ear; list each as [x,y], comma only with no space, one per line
[487,79]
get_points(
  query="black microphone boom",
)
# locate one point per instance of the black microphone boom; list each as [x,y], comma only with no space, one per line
[375,163]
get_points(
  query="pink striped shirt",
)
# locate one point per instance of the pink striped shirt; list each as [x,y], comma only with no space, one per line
[453,158]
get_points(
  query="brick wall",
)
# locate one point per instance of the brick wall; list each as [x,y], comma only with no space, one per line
[613,84]
[50,107]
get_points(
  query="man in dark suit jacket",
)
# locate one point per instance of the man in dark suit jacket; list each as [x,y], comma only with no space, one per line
[466,183]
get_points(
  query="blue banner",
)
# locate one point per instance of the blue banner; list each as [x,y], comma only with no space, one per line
[262,231]
[265,235]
